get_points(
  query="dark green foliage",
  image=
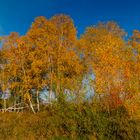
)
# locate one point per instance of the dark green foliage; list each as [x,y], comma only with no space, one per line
[70,122]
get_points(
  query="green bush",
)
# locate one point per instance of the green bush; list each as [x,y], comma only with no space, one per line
[70,122]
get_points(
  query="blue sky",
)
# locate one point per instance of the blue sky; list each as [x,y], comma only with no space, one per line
[17,15]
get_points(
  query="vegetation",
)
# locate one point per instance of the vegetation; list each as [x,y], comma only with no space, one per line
[54,85]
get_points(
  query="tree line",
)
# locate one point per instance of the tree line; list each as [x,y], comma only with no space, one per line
[50,55]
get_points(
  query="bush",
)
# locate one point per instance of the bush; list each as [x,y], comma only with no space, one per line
[70,122]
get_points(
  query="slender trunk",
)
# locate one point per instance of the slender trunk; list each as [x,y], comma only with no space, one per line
[4,104]
[58,88]
[37,100]
[58,65]
[31,106]
[50,94]
[15,103]
[51,79]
